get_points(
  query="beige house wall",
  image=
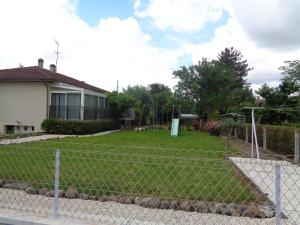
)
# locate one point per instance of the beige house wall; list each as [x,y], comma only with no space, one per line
[22,104]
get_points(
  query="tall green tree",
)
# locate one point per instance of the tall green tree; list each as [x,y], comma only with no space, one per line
[234,58]
[279,102]
[118,103]
[208,84]
[139,93]
[290,83]
[160,94]
[162,98]
[142,101]
[291,69]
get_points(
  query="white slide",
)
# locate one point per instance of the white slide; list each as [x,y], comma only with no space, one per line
[175,128]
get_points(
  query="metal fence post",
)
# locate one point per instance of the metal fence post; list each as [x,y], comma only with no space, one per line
[264,138]
[277,195]
[297,151]
[56,185]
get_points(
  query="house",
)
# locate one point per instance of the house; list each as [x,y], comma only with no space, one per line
[28,95]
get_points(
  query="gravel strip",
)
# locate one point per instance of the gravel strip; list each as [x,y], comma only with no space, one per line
[112,213]
[262,173]
[47,137]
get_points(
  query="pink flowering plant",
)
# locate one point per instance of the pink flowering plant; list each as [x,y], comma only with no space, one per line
[214,127]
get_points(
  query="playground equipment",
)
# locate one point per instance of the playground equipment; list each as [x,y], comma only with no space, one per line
[158,117]
[175,127]
[253,132]
[175,122]
[127,117]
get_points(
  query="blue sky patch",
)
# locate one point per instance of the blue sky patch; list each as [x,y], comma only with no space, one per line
[91,11]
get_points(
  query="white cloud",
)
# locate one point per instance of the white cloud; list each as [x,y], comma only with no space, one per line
[264,60]
[114,50]
[118,49]
[179,15]
[271,23]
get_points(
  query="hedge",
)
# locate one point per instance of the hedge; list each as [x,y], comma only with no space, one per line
[54,126]
[280,139]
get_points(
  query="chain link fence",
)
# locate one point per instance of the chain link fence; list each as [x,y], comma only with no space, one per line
[107,184]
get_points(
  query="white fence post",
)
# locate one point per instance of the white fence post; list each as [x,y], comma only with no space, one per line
[56,185]
[297,151]
[277,195]
[264,138]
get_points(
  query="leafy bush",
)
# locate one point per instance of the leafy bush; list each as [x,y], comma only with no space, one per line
[214,127]
[54,126]
[280,139]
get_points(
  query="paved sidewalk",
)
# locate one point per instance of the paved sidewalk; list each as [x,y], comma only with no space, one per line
[48,136]
[262,173]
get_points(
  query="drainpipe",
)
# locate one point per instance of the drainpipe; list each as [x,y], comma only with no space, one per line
[82,105]
[47,99]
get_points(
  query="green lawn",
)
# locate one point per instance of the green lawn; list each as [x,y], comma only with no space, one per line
[191,166]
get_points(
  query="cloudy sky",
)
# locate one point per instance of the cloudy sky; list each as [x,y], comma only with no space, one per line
[143,41]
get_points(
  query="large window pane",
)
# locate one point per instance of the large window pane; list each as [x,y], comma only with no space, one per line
[73,106]
[73,99]
[90,101]
[91,105]
[58,99]
[101,102]
[58,103]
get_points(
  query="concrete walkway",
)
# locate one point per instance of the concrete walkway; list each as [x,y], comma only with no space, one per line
[262,173]
[49,136]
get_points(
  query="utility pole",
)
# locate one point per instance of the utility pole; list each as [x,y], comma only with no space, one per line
[117,86]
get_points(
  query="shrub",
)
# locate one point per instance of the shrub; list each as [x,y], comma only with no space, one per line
[280,139]
[214,127]
[54,126]
[196,124]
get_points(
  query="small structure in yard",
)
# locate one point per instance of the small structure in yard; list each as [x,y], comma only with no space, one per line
[127,117]
[189,120]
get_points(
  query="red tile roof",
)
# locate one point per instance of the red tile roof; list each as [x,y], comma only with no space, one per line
[37,74]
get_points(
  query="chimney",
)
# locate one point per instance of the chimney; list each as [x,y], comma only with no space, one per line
[40,63]
[53,68]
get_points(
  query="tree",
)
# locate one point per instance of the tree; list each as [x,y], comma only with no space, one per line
[208,84]
[142,101]
[160,94]
[139,93]
[290,83]
[279,104]
[118,103]
[291,70]
[234,58]
[161,98]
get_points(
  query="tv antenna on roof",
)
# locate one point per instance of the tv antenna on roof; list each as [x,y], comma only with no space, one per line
[57,52]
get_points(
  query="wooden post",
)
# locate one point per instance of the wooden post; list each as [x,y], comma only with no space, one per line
[235,133]
[264,138]
[297,152]
[200,124]
[246,135]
